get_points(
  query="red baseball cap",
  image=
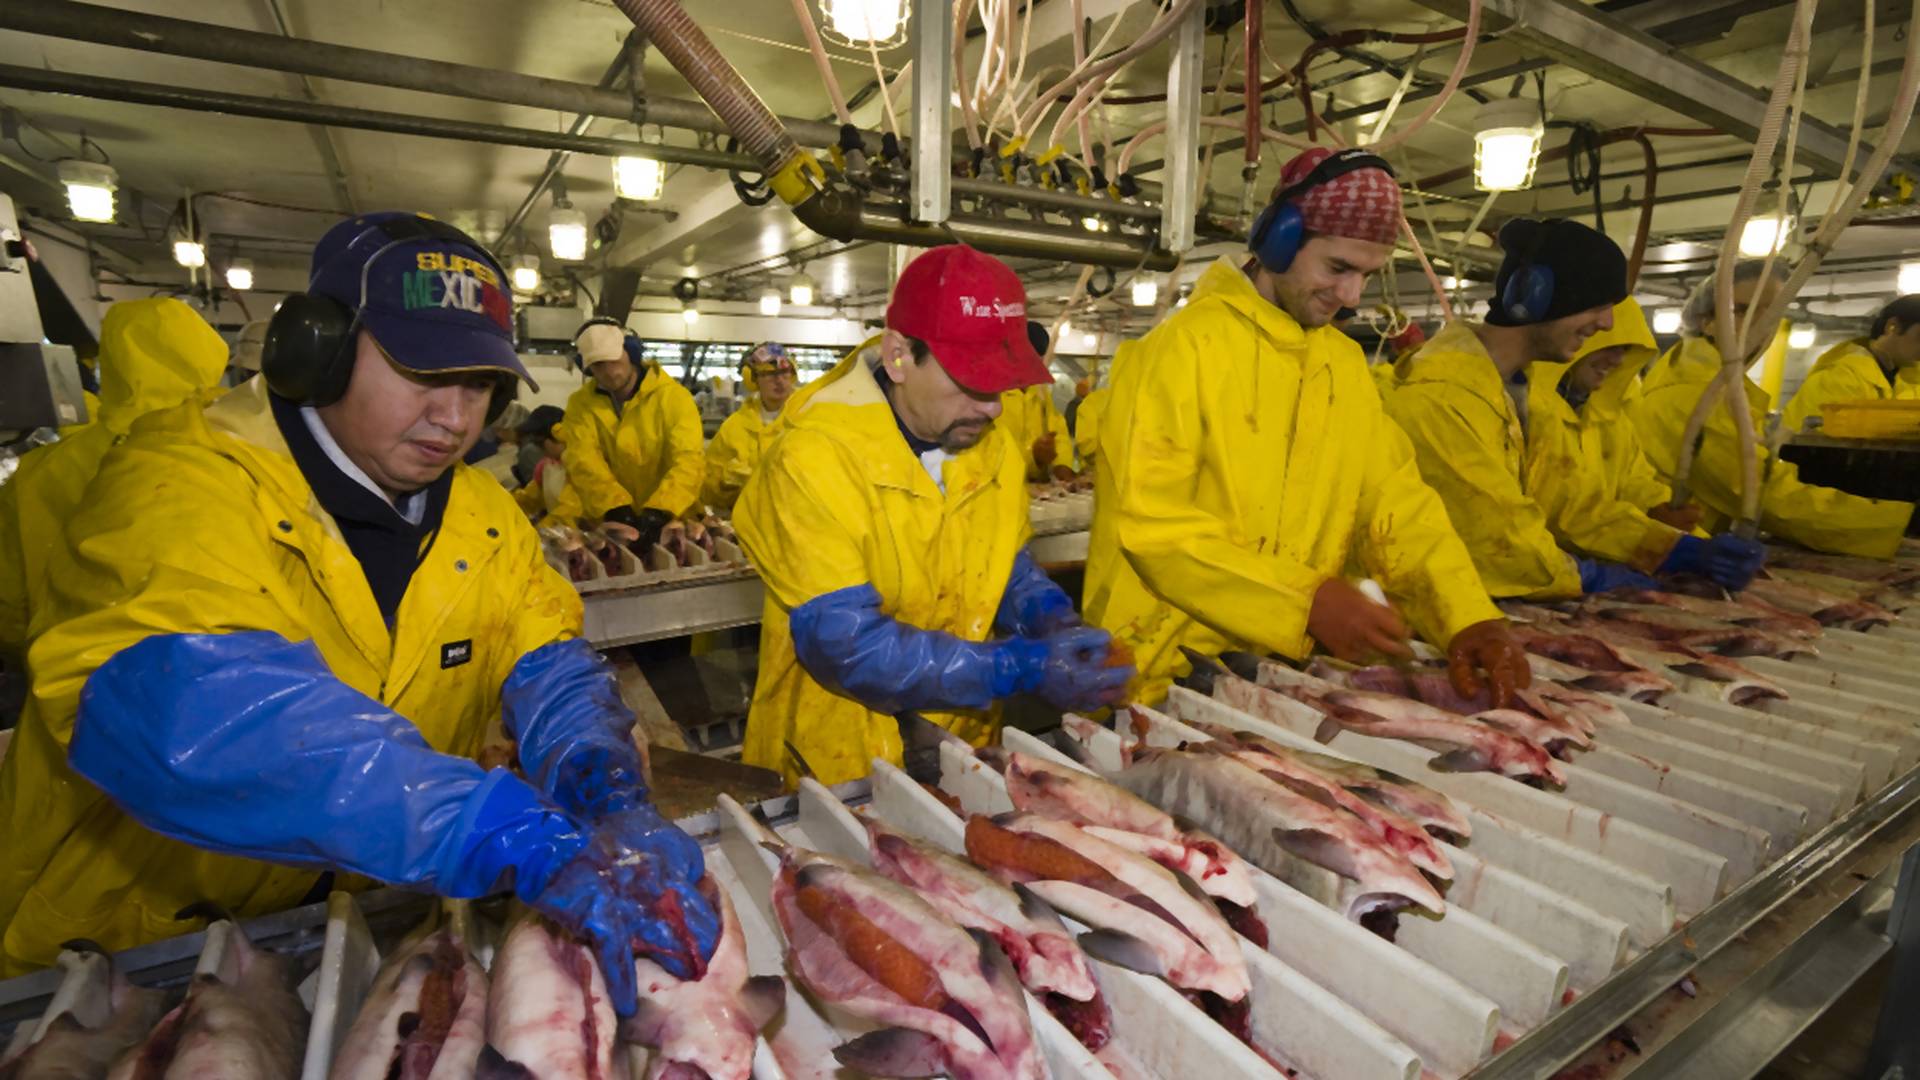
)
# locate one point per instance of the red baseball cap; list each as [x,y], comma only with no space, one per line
[971,310]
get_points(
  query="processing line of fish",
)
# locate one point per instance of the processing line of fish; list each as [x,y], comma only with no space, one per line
[1632,857]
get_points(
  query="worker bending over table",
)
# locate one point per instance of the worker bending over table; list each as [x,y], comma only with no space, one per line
[1245,463]
[1822,518]
[635,450]
[292,617]
[1883,366]
[1465,400]
[743,438]
[889,523]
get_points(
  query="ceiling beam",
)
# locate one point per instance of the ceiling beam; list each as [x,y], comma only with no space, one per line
[1616,53]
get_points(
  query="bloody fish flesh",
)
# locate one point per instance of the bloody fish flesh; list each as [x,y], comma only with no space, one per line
[1042,950]
[548,1015]
[705,1028]
[243,1023]
[424,1019]
[948,1001]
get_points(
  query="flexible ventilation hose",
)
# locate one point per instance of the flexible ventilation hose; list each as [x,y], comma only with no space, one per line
[791,172]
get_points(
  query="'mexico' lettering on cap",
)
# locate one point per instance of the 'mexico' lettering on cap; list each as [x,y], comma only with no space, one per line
[432,289]
[992,310]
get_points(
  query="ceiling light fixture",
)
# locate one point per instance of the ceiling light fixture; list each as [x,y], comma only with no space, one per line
[1090,339]
[690,314]
[191,254]
[1146,291]
[567,234]
[240,274]
[1666,321]
[770,302]
[1506,144]
[525,272]
[642,179]
[1764,235]
[90,187]
[800,291]
[1908,280]
[1800,337]
[861,21]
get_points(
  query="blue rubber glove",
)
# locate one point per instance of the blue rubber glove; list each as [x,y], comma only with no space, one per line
[246,744]
[562,705]
[851,646]
[1069,669]
[1727,560]
[1033,606]
[1599,577]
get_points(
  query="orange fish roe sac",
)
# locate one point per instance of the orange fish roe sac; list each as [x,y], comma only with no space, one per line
[1034,857]
[873,950]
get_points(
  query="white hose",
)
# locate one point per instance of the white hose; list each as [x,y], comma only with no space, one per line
[1166,24]
[969,123]
[820,61]
[1446,92]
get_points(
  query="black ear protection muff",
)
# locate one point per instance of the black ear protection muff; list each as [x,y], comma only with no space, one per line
[1528,293]
[579,362]
[308,354]
[1280,229]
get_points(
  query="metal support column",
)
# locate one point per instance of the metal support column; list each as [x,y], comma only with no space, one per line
[932,110]
[1182,191]
[1896,1041]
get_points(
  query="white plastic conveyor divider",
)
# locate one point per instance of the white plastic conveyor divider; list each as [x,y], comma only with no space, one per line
[1293,1017]
[349,960]
[1829,756]
[1743,846]
[1654,766]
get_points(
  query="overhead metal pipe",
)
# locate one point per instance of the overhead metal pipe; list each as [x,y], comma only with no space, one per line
[227,45]
[304,112]
[1000,237]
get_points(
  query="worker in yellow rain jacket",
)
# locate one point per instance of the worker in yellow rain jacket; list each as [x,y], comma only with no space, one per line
[1246,464]
[1086,422]
[1822,518]
[1464,399]
[290,618]
[1884,365]
[1029,417]
[743,438]
[634,444]
[889,523]
[546,496]
[1583,452]
[154,354]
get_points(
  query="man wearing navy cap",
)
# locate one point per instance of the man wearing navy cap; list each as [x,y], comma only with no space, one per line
[288,621]
[889,523]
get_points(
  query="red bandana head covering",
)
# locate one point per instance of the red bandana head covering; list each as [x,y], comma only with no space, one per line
[1363,204]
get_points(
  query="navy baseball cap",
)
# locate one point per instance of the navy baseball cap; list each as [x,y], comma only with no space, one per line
[430,294]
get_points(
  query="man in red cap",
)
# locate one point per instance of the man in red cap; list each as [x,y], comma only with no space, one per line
[889,523]
[1247,466]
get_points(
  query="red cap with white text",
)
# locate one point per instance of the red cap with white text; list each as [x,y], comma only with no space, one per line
[971,310]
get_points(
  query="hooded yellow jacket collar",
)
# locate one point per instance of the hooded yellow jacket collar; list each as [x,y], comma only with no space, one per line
[154,354]
[1457,356]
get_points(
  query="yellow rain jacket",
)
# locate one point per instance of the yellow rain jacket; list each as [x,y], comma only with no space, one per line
[1383,378]
[839,501]
[1607,415]
[1086,422]
[647,456]
[1846,372]
[1467,439]
[734,453]
[1027,414]
[154,354]
[1822,518]
[1244,462]
[201,523]
[1566,471]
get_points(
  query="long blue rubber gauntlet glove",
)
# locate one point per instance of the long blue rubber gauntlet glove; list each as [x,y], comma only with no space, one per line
[852,647]
[1069,669]
[1033,606]
[246,744]
[1727,560]
[562,705]
[1599,577]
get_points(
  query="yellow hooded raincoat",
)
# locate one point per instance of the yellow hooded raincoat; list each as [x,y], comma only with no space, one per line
[648,455]
[1822,518]
[1468,441]
[1027,414]
[839,501]
[1847,372]
[1566,468]
[1246,461]
[735,453]
[154,354]
[202,523]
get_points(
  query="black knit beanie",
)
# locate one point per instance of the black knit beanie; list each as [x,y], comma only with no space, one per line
[1589,270]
